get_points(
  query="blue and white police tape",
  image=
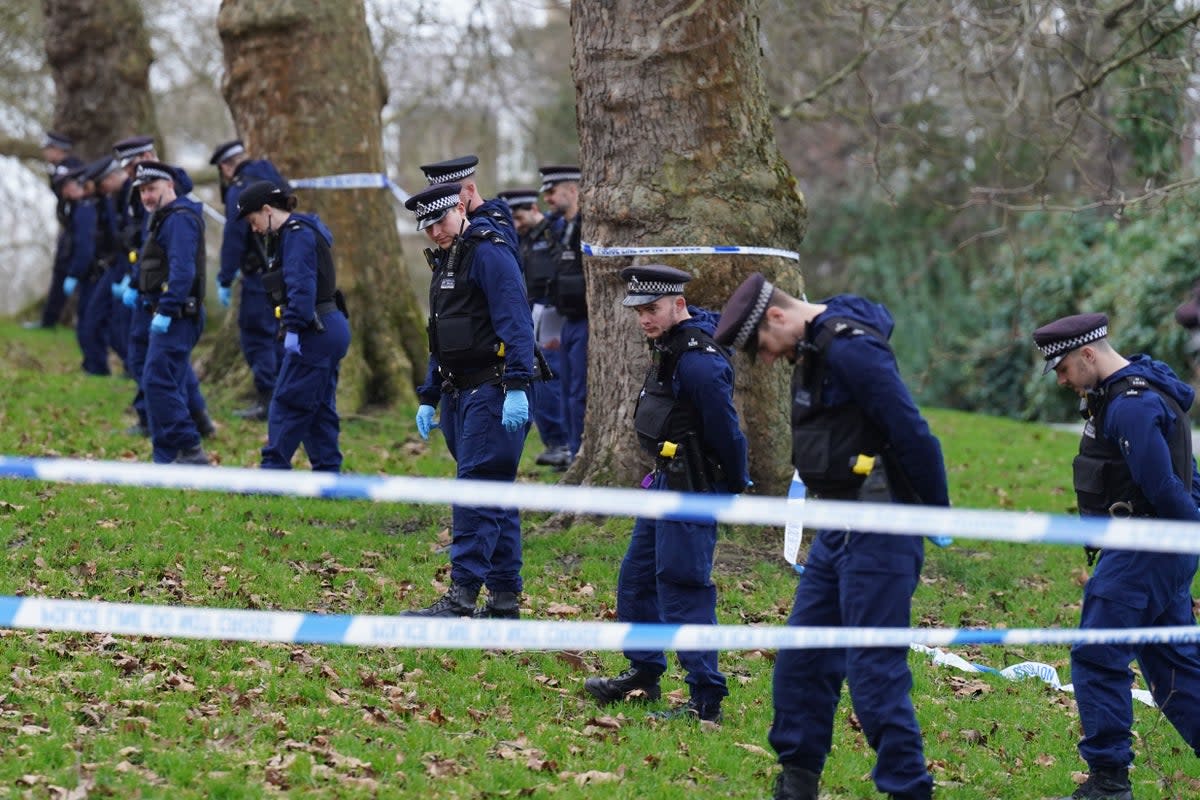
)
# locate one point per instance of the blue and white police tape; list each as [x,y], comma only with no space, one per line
[364,630]
[352,180]
[1167,536]
[720,250]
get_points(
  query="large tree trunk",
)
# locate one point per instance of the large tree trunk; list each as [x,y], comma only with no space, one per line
[305,90]
[677,148]
[100,56]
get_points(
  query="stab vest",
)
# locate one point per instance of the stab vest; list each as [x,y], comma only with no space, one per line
[326,274]
[570,285]
[540,259]
[461,334]
[154,270]
[253,254]
[827,441]
[1102,475]
[660,416]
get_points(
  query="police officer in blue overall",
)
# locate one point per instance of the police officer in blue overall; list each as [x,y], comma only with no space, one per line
[481,365]
[171,281]
[560,186]
[243,253]
[856,435]
[685,419]
[56,152]
[539,259]
[1135,460]
[495,211]
[133,229]
[96,321]
[302,282]
[80,279]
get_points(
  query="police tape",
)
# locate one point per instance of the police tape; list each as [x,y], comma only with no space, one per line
[365,630]
[1168,536]
[732,249]
[352,180]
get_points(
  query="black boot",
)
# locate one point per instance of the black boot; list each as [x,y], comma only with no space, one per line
[256,411]
[796,783]
[500,605]
[458,602]
[204,424]
[632,684]
[194,455]
[1105,783]
[692,709]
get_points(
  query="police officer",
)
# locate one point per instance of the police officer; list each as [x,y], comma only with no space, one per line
[243,252]
[132,228]
[303,284]
[856,434]
[539,259]
[171,283]
[461,170]
[80,281]
[481,364]
[56,152]
[685,419]
[96,320]
[1135,459]
[560,186]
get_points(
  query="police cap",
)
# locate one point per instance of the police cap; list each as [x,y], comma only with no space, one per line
[558,173]
[59,140]
[77,172]
[227,150]
[259,194]
[455,169]
[432,203]
[519,198]
[101,168]
[1062,336]
[62,168]
[126,149]
[150,171]
[743,312]
[649,282]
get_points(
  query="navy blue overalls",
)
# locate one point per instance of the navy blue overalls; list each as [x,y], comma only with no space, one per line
[570,298]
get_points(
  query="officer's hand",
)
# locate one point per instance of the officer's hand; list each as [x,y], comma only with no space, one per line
[160,323]
[291,342]
[69,285]
[425,421]
[941,541]
[225,295]
[516,409]
[118,289]
[129,298]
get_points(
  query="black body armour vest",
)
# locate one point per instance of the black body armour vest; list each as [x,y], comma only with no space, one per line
[154,269]
[1104,485]
[660,416]
[540,259]
[253,254]
[826,441]
[460,329]
[570,286]
[272,277]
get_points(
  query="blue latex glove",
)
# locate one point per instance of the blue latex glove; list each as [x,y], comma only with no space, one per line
[941,541]
[516,409]
[69,285]
[129,298]
[225,295]
[160,323]
[291,343]
[118,289]
[425,421]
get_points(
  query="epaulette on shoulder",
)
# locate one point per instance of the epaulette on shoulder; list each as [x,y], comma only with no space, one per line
[485,234]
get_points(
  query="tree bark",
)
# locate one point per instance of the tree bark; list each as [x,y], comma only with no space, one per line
[305,90]
[99,55]
[677,148]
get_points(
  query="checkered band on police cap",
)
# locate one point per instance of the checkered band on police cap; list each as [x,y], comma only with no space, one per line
[1060,337]
[148,171]
[455,169]
[433,203]
[750,324]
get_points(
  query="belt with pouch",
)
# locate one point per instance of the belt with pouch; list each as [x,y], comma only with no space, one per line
[470,379]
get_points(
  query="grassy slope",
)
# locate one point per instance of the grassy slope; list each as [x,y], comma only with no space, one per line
[129,717]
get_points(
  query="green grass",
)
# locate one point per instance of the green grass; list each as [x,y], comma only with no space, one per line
[128,717]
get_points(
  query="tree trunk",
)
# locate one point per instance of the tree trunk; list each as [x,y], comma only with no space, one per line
[677,149]
[100,56]
[305,90]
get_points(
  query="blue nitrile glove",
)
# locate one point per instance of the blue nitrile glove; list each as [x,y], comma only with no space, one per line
[516,409]
[291,342]
[118,289]
[129,298]
[69,285]
[160,323]
[425,421]
[941,541]
[225,295]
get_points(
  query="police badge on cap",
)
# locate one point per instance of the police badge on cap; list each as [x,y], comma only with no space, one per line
[649,282]
[433,203]
[1062,336]
[149,171]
